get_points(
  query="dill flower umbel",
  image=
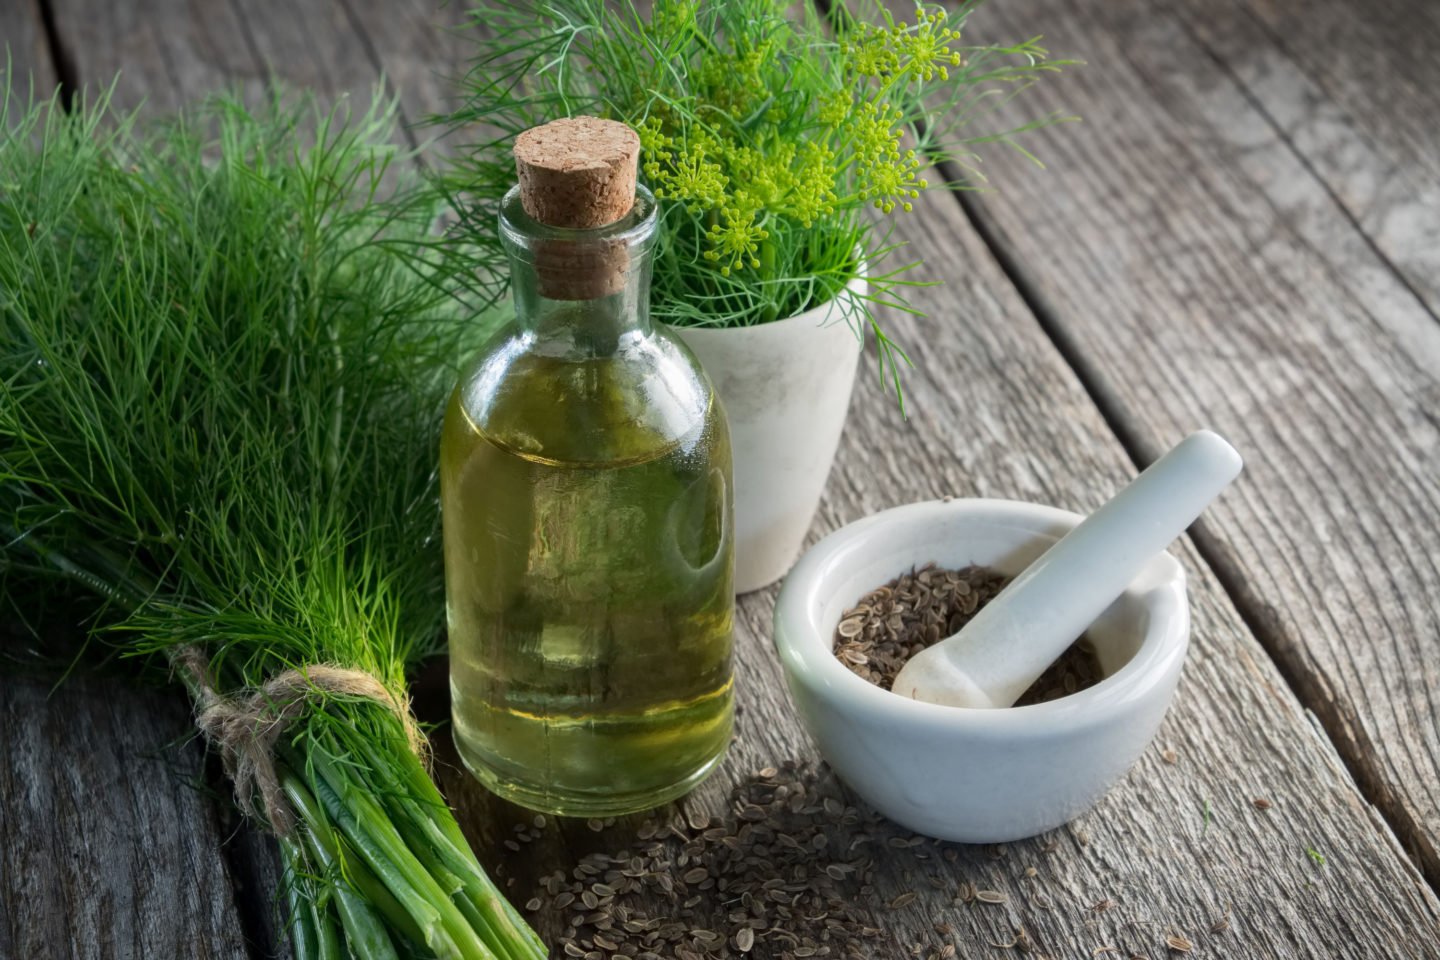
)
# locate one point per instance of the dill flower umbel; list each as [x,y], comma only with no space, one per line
[775,137]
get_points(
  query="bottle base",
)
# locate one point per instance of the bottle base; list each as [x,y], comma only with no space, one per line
[570,804]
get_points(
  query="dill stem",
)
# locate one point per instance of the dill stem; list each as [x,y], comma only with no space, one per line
[333,851]
[501,914]
[301,923]
[327,940]
[365,936]
[422,910]
[381,845]
[771,311]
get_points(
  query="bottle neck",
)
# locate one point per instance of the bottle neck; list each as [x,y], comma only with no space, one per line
[592,325]
[581,291]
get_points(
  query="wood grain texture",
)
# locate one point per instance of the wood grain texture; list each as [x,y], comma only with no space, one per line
[108,845]
[171,52]
[997,413]
[1198,273]
[22,41]
[1354,89]
[160,53]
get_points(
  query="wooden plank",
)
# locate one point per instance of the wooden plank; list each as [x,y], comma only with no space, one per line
[1198,272]
[1354,89]
[22,41]
[416,46]
[170,52]
[107,848]
[161,53]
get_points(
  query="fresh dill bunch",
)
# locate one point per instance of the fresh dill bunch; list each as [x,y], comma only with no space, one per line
[782,140]
[222,387]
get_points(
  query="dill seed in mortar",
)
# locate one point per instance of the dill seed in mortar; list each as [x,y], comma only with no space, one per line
[894,622]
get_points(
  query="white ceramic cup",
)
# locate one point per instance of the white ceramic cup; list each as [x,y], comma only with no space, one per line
[976,775]
[786,389]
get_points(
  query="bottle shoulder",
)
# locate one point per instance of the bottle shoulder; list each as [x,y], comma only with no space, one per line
[548,401]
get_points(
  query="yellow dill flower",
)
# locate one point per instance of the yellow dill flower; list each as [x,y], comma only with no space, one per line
[735,83]
[652,135]
[874,134]
[735,240]
[687,174]
[834,109]
[813,196]
[927,50]
[870,51]
[673,17]
[887,176]
[895,183]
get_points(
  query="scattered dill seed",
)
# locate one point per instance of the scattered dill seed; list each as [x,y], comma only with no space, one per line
[1261,803]
[1021,942]
[1178,943]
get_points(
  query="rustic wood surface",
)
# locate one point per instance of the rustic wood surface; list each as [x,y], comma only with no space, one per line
[997,409]
[22,40]
[1352,87]
[109,842]
[1196,268]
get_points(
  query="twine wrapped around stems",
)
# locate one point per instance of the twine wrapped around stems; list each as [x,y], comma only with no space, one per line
[246,727]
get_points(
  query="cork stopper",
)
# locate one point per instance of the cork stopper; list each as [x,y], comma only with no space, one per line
[579,174]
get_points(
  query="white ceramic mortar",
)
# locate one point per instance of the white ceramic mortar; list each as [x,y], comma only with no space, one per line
[976,775]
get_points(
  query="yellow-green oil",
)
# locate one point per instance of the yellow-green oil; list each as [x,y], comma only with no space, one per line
[588,554]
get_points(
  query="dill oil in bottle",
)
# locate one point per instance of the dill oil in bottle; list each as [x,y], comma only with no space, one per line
[585,485]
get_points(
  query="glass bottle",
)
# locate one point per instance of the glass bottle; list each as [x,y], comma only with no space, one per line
[585,484]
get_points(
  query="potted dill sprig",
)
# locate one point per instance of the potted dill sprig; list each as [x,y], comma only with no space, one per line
[781,142]
[221,390]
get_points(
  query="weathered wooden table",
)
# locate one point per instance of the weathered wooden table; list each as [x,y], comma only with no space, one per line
[1243,233]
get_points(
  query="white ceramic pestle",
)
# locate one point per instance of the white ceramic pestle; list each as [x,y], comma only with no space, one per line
[1009,643]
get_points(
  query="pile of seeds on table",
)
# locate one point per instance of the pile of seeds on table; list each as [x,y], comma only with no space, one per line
[768,879]
[915,610]
[793,869]
[787,873]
